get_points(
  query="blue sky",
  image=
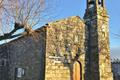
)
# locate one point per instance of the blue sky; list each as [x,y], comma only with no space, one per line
[66,8]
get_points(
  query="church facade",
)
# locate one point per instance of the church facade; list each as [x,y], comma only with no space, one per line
[68,49]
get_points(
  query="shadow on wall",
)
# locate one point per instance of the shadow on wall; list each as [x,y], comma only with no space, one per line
[91,56]
[116,69]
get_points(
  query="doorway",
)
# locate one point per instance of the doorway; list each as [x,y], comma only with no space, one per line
[77,71]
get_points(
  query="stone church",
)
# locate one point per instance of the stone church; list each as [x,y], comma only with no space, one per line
[68,49]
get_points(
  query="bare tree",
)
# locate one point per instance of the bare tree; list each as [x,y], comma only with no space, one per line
[1,1]
[22,14]
[1,11]
[1,6]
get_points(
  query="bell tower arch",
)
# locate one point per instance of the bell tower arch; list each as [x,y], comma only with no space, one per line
[95,3]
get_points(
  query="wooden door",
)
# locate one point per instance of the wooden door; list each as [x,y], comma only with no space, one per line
[77,71]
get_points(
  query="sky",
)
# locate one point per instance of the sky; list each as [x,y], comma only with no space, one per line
[67,8]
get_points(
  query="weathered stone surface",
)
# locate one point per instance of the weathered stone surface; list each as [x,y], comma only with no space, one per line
[67,49]
[26,53]
[64,37]
[98,54]
[116,69]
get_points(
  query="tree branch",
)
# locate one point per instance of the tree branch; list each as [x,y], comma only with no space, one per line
[10,35]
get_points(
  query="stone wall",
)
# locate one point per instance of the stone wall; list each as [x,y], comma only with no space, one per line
[4,67]
[49,55]
[65,38]
[116,69]
[26,57]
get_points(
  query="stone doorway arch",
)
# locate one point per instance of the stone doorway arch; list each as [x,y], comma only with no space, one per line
[77,71]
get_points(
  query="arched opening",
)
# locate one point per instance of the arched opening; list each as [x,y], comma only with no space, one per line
[77,71]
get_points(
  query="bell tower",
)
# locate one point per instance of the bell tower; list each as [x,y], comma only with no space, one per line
[98,62]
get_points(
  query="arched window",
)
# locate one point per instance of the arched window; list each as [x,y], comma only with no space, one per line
[91,4]
[99,1]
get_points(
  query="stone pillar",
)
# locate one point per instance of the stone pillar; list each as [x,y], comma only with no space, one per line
[87,4]
[96,3]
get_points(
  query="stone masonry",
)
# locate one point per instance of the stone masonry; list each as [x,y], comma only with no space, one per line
[116,68]
[64,37]
[24,53]
[68,49]
[98,53]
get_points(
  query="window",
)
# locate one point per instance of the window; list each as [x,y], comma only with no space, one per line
[76,38]
[19,72]
[3,62]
